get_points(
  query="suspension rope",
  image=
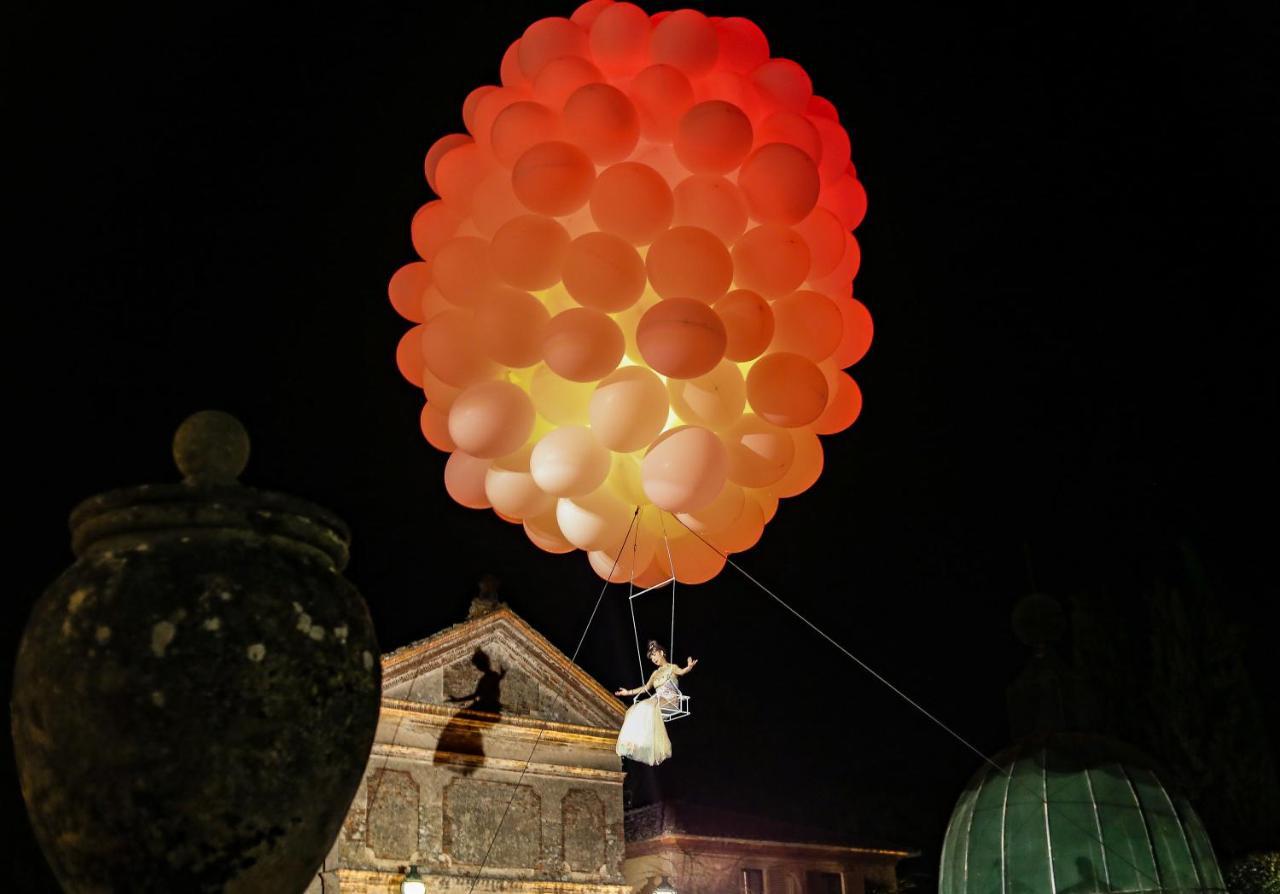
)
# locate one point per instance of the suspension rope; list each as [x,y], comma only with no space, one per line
[1008,772]
[671,564]
[573,660]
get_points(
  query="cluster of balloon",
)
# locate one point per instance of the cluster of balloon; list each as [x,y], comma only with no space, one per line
[635,289]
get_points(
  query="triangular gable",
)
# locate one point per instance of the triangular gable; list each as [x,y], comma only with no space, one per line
[497,663]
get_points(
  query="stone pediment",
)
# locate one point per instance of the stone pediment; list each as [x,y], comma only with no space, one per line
[497,664]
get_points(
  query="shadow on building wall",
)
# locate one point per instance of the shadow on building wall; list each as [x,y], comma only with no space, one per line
[464,735]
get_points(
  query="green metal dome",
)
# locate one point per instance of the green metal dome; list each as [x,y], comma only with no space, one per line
[1074,814]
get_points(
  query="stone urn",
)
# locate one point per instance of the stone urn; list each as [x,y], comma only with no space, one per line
[195,698]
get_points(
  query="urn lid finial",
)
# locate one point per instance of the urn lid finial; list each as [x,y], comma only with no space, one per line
[211,448]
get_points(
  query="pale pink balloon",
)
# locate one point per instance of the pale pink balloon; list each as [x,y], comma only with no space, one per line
[545,533]
[759,453]
[511,489]
[491,419]
[685,469]
[715,400]
[569,462]
[464,479]
[621,565]
[629,409]
[598,520]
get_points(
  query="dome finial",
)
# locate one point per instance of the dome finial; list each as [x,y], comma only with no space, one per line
[211,448]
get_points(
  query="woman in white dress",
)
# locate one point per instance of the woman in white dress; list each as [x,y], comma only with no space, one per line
[643,736]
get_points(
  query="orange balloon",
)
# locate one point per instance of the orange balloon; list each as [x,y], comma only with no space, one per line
[714,204]
[558,400]
[732,88]
[835,149]
[856,332]
[662,94]
[407,288]
[806,323]
[438,150]
[767,500]
[519,127]
[780,183]
[604,271]
[451,349]
[619,38]
[843,406]
[547,39]
[544,532]
[582,344]
[759,453]
[717,515]
[569,462]
[626,564]
[438,394]
[687,40]
[632,201]
[464,479]
[685,469]
[529,252]
[821,108]
[805,468]
[743,532]
[794,129]
[786,389]
[629,409]
[784,83]
[553,178]
[714,400]
[491,419]
[681,338]
[559,79]
[495,203]
[435,428]
[469,106]
[510,325]
[847,200]
[743,46]
[600,119]
[693,561]
[825,236]
[689,262]
[433,225]
[409,359]
[748,324]
[839,280]
[713,137]
[770,259]
[458,172]
[586,14]
[461,270]
[509,70]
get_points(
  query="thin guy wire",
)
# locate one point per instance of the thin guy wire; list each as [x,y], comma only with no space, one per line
[573,660]
[862,664]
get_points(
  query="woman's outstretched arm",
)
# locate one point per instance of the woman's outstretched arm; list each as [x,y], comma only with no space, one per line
[681,671]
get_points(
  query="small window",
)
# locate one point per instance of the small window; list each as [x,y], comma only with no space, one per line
[753,881]
[823,883]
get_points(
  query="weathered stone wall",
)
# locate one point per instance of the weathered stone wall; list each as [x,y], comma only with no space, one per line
[455,761]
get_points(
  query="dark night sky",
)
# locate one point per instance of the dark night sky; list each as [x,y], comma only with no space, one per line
[1071,227]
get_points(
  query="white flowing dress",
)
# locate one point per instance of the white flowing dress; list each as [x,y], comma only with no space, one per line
[643,736]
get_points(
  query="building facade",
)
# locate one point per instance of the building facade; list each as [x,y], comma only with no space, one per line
[493,770]
[700,850]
